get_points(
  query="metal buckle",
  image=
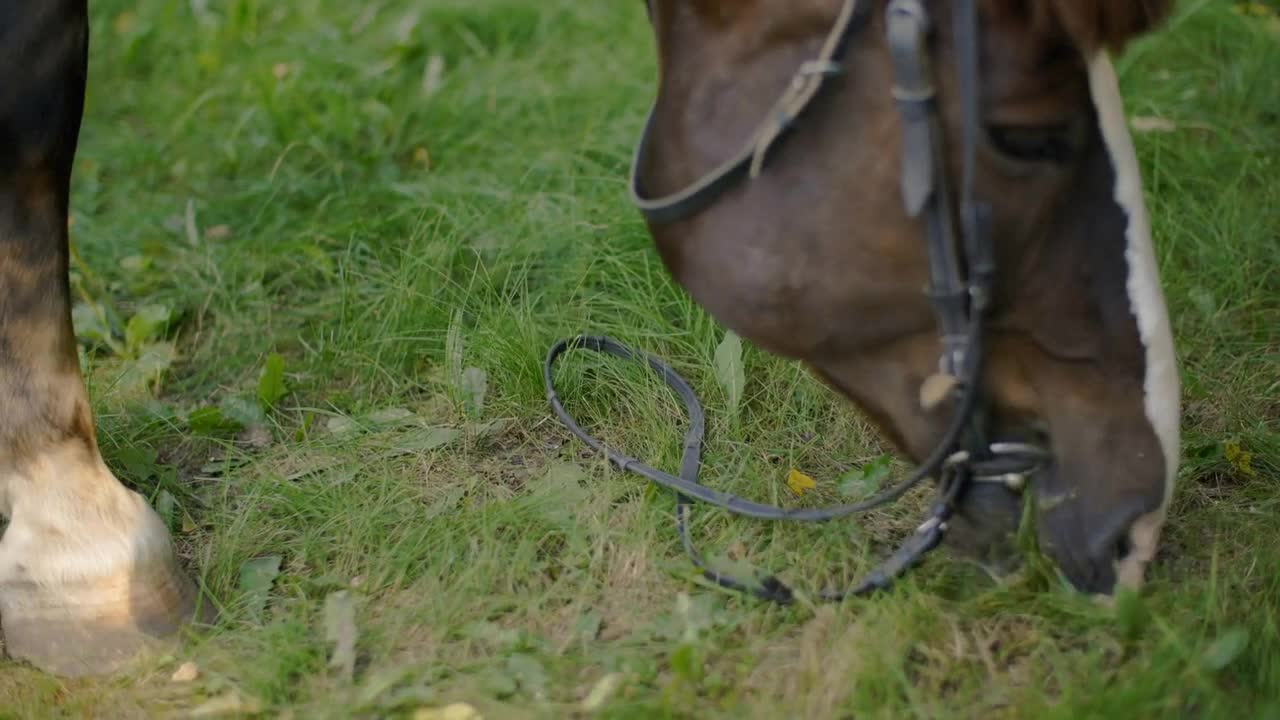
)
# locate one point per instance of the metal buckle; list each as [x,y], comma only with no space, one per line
[1032,457]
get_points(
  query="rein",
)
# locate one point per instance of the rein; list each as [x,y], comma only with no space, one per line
[961,269]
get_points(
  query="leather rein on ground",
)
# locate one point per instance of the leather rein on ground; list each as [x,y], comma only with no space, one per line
[961,268]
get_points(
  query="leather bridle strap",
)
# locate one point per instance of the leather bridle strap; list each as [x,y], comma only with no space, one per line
[961,264]
[805,85]
[925,190]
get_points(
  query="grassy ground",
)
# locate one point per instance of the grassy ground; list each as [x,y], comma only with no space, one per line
[387,195]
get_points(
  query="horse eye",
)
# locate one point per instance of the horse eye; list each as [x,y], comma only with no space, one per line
[1034,144]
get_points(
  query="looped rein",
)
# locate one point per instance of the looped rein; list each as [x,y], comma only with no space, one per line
[687,487]
[961,267]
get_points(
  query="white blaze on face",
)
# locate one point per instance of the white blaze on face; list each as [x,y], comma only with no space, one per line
[1160,386]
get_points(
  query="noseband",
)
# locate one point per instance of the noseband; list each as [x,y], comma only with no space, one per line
[961,269]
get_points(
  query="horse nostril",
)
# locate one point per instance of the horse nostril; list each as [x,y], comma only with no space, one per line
[1109,539]
[1123,546]
[1107,543]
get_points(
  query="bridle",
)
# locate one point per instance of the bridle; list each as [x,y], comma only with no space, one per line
[961,270]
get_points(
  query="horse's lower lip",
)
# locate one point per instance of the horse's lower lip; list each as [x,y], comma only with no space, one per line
[985,526]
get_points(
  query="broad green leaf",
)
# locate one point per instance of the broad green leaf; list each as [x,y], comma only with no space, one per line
[308,419]
[256,578]
[686,662]
[453,354]
[145,325]
[152,360]
[490,428]
[210,420]
[559,495]
[863,481]
[319,260]
[729,371]
[392,416]
[341,633]
[740,569]
[500,683]
[491,634]
[446,503]
[271,381]
[697,613]
[424,440]
[1224,650]
[167,509]
[529,673]
[138,462]
[341,425]
[587,626]
[1132,616]
[475,385]
[242,410]
[90,323]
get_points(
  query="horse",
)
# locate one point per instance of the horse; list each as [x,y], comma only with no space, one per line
[937,208]
[1042,324]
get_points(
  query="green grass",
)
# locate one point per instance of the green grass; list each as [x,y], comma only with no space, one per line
[285,179]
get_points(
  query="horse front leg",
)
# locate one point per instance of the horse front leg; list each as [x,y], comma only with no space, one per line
[87,572]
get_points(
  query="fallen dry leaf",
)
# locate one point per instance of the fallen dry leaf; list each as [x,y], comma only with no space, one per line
[454,711]
[185,673]
[125,22]
[1148,123]
[217,232]
[231,703]
[432,74]
[799,482]
[604,689]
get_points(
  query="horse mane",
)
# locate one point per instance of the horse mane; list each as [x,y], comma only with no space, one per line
[1090,25]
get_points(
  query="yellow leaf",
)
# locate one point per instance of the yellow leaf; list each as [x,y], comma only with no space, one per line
[208,61]
[799,482]
[125,22]
[1239,459]
[1256,9]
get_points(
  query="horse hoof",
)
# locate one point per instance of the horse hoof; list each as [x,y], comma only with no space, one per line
[87,593]
[99,627]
